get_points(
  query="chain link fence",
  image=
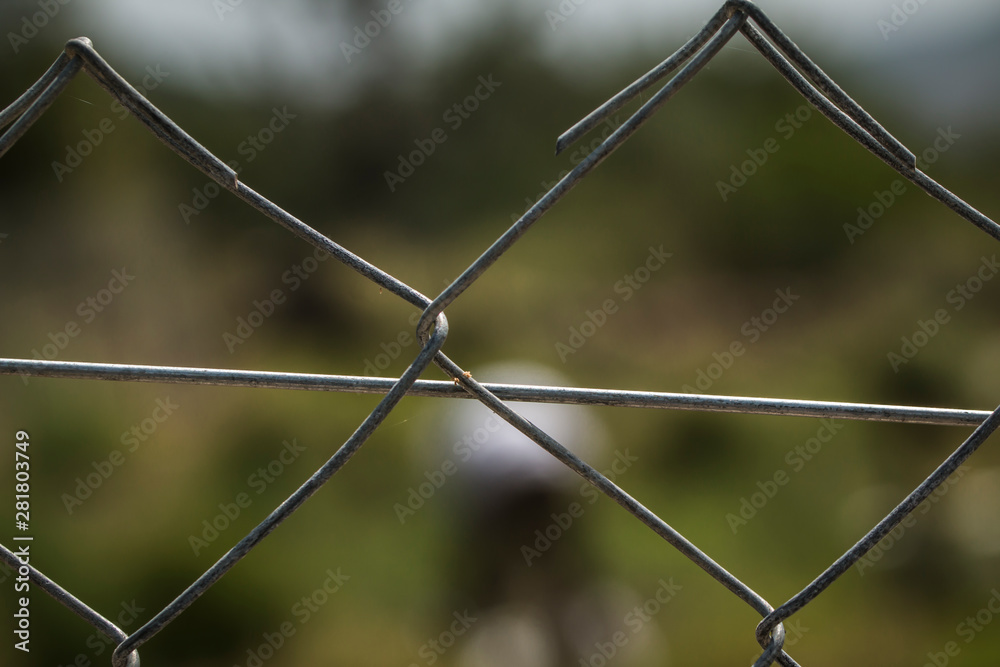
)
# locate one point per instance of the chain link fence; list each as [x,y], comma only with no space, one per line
[821,92]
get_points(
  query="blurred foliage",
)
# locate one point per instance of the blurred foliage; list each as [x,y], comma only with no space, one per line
[783,229]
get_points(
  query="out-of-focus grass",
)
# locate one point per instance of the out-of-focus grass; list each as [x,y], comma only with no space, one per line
[783,229]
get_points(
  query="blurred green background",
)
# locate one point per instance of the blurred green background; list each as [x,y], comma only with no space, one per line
[225,67]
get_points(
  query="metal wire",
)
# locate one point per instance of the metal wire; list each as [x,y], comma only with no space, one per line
[511,392]
[734,16]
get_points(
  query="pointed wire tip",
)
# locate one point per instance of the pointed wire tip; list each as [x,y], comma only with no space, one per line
[562,143]
[573,134]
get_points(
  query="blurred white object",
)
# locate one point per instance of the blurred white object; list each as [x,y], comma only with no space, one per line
[553,608]
[495,458]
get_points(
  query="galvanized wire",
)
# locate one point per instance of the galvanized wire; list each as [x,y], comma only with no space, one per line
[735,16]
[901,414]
